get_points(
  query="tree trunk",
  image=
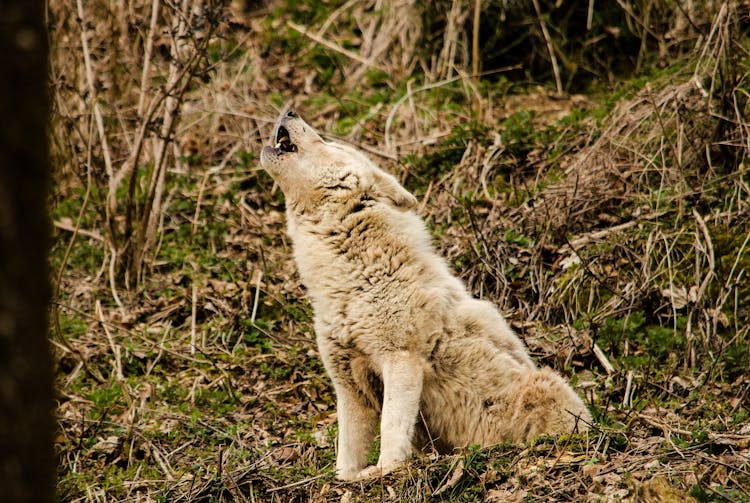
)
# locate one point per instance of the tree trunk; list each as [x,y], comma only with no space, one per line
[26,400]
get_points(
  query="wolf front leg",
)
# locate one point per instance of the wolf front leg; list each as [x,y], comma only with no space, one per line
[357,415]
[402,390]
[357,421]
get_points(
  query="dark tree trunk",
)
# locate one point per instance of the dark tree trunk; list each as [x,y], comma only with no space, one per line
[26,400]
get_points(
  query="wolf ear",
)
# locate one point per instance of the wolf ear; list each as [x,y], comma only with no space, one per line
[385,187]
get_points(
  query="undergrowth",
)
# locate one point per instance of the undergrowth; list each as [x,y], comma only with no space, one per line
[611,227]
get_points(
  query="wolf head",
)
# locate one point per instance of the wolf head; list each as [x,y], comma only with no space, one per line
[313,173]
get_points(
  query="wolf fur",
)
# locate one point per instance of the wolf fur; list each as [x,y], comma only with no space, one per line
[400,337]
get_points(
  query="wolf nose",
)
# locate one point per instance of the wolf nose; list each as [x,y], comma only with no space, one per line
[292,114]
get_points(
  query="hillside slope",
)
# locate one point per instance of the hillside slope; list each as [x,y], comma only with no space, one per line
[585,168]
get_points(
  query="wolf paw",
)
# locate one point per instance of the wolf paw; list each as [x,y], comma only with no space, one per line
[376,471]
[347,475]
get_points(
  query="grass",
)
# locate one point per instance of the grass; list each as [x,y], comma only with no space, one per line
[610,227]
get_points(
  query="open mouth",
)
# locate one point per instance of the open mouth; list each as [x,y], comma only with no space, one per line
[283,142]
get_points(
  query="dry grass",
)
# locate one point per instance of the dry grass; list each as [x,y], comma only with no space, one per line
[612,228]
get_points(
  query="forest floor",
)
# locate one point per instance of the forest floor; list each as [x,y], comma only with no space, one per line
[611,227]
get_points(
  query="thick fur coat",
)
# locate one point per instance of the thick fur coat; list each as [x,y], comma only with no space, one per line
[403,341]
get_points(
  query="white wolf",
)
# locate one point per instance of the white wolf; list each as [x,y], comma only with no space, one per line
[400,337]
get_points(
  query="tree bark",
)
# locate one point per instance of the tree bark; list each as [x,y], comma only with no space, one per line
[26,401]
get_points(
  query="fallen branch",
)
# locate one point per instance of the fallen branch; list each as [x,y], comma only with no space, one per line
[71,228]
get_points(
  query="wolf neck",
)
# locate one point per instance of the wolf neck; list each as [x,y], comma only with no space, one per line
[366,251]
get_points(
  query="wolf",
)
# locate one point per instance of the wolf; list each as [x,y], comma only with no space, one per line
[404,343]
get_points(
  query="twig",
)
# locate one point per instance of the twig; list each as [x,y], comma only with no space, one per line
[425,198]
[454,27]
[163,463]
[667,429]
[603,360]
[152,364]
[334,15]
[629,11]
[196,214]
[130,167]
[298,483]
[152,209]
[76,230]
[718,20]
[112,280]
[114,347]
[97,111]
[709,253]
[148,51]
[335,47]
[456,472]
[738,258]
[257,296]
[65,343]
[234,489]
[550,47]
[626,398]
[194,311]
[585,239]
[475,55]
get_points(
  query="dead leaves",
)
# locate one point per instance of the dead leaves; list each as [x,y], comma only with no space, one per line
[106,445]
